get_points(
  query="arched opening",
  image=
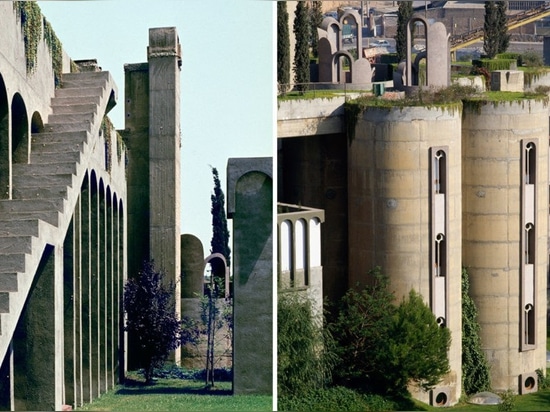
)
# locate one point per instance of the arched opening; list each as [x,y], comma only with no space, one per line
[343,67]
[19,130]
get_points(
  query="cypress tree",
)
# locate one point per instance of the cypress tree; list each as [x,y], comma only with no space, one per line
[502,19]
[404,13]
[316,19]
[491,30]
[220,233]
[283,47]
[302,32]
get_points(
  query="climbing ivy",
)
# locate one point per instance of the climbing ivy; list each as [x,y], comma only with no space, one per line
[56,51]
[31,24]
[475,368]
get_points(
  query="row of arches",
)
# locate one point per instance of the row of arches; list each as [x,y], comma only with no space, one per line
[15,130]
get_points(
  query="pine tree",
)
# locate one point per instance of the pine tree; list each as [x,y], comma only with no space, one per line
[491,30]
[220,233]
[316,19]
[283,47]
[302,33]
[502,20]
[404,13]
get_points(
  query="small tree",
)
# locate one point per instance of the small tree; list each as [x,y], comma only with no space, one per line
[491,31]
[220,233]
[404,13]
[417,346]
[283,47]
[361,331]
[151,318]
[475,368]
[502,21]
[302,33]
[316,18]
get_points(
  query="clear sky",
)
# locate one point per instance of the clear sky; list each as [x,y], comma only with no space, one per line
[227,77]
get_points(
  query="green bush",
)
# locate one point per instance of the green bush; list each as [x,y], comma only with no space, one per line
[382,348]
[543,382]
[532,59]
[304,359]
[336,398]
[494,64]
[508,401]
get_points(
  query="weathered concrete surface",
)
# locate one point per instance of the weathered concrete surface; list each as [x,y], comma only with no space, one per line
[250,205]
[389,208]
[507,80]
[492,241]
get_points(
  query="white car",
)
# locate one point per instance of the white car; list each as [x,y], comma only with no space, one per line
[381,43]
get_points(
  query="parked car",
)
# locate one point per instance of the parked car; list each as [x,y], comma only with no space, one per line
[381,43]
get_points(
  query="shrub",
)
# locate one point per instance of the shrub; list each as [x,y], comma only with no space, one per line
[508,401]
[303,348]
[361,330]
[417,346]
[543,382]
[532,59]
[336,398]
[382,348]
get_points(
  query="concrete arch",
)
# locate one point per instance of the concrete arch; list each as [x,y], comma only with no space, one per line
[413,69]
[221,257]
[4,141]
[20,135]
[337,71]
[37,125]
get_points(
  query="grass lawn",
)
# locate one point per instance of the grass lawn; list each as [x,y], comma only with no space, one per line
[177,395]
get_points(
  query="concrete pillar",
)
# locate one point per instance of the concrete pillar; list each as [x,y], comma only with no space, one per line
[38,364]
[164,56]
[110,325]
[250,205]
[77,301]
[69,315]
[86,334]
[192,267]
[94,286]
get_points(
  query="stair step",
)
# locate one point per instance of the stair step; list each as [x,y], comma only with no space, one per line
[94,99]
[82,83]
[48,192]
[58,147]
[83,92]
[35,205]
[50,216]
[20,227]
[8,282]
[13,263]
[43,181]
[54,157]
[74,108]
[68,127]
[16,244]
[70,118]
[66,137]
[44,169]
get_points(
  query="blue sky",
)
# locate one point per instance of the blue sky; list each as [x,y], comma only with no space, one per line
[227,77]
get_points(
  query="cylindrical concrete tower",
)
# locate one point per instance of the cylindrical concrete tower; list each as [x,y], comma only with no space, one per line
[405,213]
[505,233]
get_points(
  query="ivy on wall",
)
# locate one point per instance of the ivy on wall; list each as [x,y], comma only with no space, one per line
[33,25]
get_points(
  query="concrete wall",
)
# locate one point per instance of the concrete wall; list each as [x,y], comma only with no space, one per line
[250,206]
[492,230]
[390,221]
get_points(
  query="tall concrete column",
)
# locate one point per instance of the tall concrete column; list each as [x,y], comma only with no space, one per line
[85,276]
[77,302]
[38,361]
[69,315]
[250,205]
[94,286]
[164,56]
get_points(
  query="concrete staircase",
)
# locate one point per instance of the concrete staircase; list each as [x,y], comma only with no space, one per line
[45,191]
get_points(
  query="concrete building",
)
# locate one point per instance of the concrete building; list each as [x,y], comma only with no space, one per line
[422,191]
[82,205]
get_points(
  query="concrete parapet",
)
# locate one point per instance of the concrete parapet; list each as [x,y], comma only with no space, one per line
[507,80]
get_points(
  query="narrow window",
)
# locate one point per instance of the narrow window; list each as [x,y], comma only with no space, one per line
[529,336]
[440,255]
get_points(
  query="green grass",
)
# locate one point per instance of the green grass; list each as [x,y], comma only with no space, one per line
[318,94]
[177,395]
